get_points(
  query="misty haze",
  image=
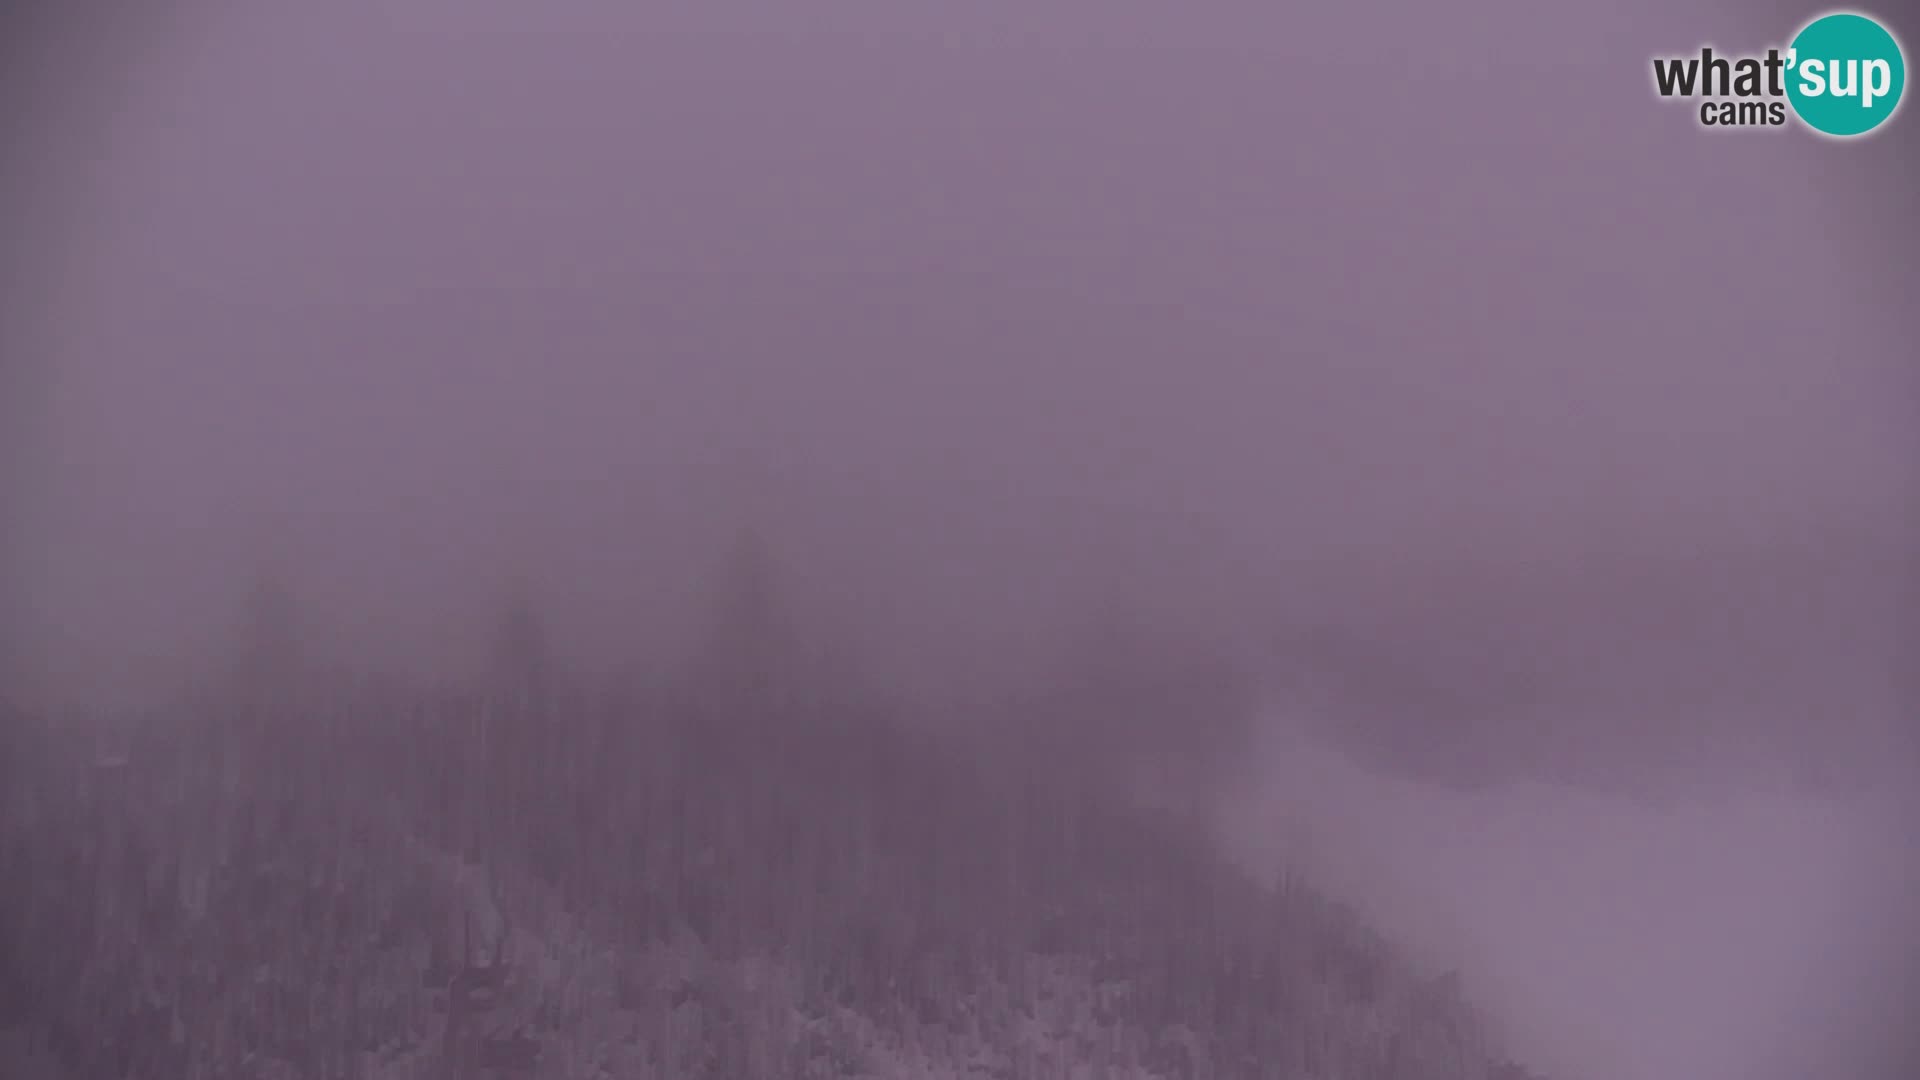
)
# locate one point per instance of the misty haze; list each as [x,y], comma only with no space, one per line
[749,542]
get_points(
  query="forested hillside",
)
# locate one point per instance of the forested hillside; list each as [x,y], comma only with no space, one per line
[750,872]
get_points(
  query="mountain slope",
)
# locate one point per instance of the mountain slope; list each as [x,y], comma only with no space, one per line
[416,886]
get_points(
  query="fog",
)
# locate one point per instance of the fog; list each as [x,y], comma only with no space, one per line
[1427,360]
[1753,933]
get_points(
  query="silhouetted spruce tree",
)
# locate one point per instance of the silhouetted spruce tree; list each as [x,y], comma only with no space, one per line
[517,730]
[257,727]
[743,675]
[522,662]
[269,650]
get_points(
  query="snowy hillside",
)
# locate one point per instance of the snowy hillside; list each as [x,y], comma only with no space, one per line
[412,888]
[1711,938]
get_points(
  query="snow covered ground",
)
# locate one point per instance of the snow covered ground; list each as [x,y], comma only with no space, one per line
[1746,936]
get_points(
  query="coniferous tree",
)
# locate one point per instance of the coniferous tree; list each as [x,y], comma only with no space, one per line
[269,655]
[516,738]
[745,646]
[522,663]
[743,680]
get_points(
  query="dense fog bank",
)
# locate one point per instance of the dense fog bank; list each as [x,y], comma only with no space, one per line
[1730,931]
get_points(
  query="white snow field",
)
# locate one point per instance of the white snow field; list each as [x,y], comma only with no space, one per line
[1755,936]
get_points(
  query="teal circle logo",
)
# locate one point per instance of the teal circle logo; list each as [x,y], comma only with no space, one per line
[1845,74]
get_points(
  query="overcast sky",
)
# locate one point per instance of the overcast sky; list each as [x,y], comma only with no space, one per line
[983,310]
